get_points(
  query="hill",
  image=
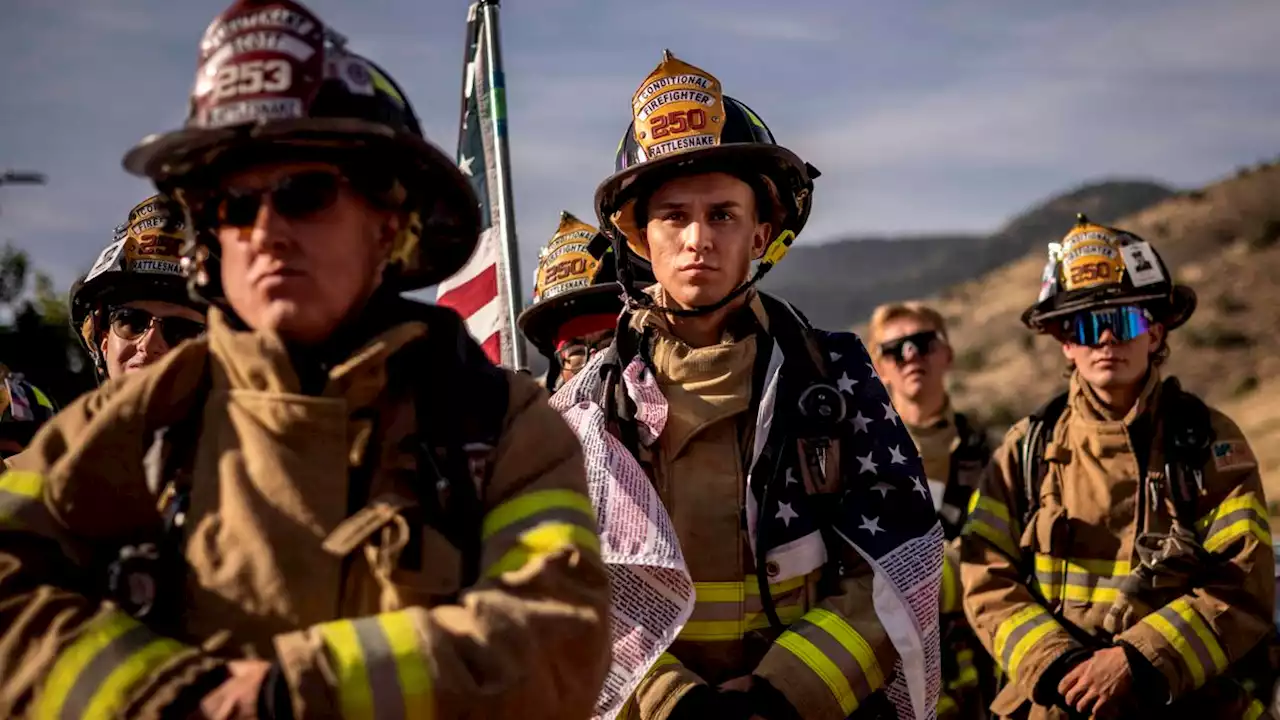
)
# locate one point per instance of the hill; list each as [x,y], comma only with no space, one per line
[1224,241]
[838,283]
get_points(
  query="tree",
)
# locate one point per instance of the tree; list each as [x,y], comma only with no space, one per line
[36,338]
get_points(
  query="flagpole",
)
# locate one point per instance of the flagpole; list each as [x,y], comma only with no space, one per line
[506,213]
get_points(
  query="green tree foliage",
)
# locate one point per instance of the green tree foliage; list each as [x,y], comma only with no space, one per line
[36,338]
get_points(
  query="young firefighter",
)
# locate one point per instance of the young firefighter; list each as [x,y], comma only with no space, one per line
[1117,557]
[786,473]
[913,355]
[349,512]
[132,307]
[576,299]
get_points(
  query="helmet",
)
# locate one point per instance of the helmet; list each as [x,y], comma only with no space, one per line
[275,83]
[23,408]
[702,130]
[577,276]
[141,263]
[1097,266]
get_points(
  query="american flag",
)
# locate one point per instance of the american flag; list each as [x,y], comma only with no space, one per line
[479,292]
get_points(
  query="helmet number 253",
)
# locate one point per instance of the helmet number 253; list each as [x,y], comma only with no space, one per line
[253,77]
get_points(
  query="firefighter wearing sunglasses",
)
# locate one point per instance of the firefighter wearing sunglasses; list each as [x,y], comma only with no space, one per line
[132,307]
[332,504]
[790,483]
[576,299]
[1117,556]
[913,355]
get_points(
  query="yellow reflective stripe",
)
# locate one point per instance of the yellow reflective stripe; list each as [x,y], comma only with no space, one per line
[381,82]
[989,519]
[1019,633]
[823,667]
[852,641]
[1179,643]
[1254,711]
[543,540]
[1102,568]
[950,584]
[110,698]
[22,483]
[1198,626]
[411,666]
[93,676]
[76,657]
[946,704]
[379,666]
[1080,579]
[354,692]
[527,505]
[41,399]
[719,591]
[1233,518]
[712,630]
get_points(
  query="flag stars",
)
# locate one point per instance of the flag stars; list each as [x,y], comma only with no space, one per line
[918,486]
[791,478]
[786,514]
[889,413]
[883,488]
[835,356]
[860,423]
[465,165]
[896,457]
[846,383]
[871,525]
[867,464]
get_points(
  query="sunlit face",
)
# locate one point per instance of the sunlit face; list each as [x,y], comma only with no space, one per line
[1111,365]
[913,359]
[308,257]
[139,333]
[702,234]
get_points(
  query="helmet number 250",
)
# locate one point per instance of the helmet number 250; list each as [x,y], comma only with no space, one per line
[677,121]
[252,77]
[1090,272]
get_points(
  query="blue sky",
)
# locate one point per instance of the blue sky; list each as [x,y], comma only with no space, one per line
[922,117]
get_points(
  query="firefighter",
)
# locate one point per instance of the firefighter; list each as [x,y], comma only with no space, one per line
[332,504]
[132,307]
[913,355]
[576,299]
[23,409]
[1117,556]
[768,442]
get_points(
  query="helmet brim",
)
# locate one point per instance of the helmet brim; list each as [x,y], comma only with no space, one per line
[768,160]
[450,212]
[1178,307]
[540,321]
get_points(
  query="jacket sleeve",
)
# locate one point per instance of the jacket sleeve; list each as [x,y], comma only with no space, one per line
[833,658]
[64,652]
[529,640]
[1200,634]
[661,689]
[1016,629]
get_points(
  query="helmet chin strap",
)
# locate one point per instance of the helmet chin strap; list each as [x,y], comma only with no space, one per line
[635,299]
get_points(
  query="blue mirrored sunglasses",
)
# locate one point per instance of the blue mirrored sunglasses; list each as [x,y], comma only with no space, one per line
[1125,322]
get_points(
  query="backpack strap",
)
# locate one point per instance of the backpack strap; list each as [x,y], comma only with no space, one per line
[1188,436]
[971,452]
[460,404]
[1031,460]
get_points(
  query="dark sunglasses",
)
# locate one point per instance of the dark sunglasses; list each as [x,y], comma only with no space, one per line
[294,197]
[1126,322]
[575,353]
[922,342]
[132,323]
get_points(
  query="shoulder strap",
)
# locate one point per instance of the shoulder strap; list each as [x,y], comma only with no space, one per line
[460,404]
[1031,454]
[1188,435]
